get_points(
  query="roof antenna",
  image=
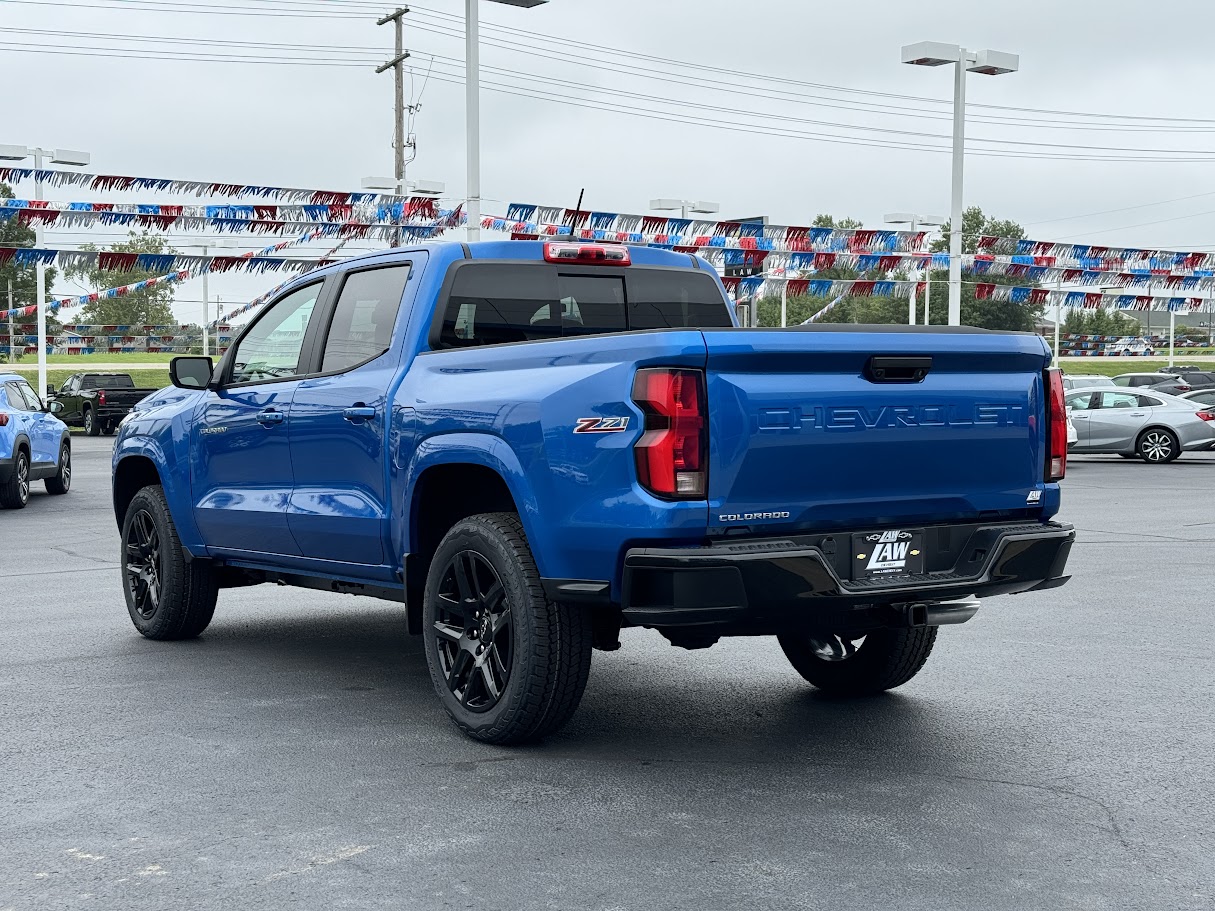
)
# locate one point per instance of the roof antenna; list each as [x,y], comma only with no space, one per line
[577,212]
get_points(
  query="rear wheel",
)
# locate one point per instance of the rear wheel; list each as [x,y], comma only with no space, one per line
[855,665]
[508,664]
[1158,445]
[91,425]
[167,596]
[61,482]
[15,492]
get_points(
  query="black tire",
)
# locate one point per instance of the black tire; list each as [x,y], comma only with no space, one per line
[1158,446]
[167,596]
[108,429]
[61,483]
[499,607]
[885,659]
[91,425]
[15,492]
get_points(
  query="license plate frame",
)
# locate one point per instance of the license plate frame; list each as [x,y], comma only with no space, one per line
[892,552]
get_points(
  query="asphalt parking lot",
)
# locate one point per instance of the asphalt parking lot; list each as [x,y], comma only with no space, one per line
[1057,752]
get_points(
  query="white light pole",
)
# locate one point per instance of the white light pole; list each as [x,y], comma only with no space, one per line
[214,243]
[403,187]
[909,218]
[472,96]
[57,156]
[988,63]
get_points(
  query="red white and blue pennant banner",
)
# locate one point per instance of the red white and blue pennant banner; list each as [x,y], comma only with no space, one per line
[200,188]
[166,279]
[411,223]
[654,230]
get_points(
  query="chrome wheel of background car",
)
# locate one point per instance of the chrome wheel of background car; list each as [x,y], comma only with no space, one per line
[1156,446]
[473,624]
[835,648]
[23,478]
[143,564]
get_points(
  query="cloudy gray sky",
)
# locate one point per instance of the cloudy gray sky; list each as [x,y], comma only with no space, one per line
[770,107]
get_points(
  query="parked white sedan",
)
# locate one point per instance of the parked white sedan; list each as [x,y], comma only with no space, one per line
[1155,427]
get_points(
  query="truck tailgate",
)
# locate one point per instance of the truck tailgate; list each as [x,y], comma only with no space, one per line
[804,434]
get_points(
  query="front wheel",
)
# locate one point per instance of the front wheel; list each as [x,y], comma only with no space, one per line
[1158,446]
[167,596]
[509,665]
[856,665]
[92,426]
[61,482]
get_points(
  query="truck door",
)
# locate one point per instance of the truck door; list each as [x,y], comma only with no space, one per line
[240,461]
[341,420]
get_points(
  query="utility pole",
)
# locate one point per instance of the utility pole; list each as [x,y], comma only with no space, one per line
[206,271]
[397,65]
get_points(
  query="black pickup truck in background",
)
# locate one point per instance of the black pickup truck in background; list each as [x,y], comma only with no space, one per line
[95,401]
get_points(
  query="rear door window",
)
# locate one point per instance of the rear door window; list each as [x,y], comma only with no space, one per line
[676,299]
[363,321]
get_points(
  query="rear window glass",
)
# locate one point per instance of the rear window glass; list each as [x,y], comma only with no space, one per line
[108,382]
[496,303]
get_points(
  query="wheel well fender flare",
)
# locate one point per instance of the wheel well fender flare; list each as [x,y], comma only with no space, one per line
[476,449]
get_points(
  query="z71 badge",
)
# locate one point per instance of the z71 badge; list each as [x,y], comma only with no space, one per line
[601,425]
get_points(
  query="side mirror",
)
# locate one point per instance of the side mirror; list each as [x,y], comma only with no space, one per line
[51,391]
[55,407]
[191,372]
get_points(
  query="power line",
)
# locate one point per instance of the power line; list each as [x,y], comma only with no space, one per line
[328,13]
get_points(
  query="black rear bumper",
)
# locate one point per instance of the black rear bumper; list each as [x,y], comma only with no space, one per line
[781,579]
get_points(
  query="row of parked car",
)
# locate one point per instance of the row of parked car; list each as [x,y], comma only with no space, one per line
[1153,416]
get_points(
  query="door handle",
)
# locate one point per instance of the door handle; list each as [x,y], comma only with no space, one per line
[266,418]
[1079,417]
[1138,414]
[357,414]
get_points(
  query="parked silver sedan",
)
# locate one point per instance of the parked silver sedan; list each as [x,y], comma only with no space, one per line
[1155,427]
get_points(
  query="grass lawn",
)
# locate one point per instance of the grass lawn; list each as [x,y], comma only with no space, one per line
[1104,367]
[147,379]
[106,358]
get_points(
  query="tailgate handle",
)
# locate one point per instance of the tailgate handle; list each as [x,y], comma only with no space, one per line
[893,369]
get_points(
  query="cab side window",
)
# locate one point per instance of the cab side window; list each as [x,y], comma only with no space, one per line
[364,318]
[271,349]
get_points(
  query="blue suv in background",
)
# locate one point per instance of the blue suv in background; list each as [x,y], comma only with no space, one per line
[33,444]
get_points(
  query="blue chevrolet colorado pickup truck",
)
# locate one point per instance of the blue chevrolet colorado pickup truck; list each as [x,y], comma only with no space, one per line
[534,445]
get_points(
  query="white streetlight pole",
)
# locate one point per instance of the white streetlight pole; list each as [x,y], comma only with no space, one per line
[472,106]
[909,218]
[685,206]
[987,63]
[57,156]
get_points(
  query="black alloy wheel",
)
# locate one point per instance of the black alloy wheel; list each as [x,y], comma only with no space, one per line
[144,564]
[474,641]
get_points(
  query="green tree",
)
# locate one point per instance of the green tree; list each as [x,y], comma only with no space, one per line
[13,233]
[151,307]
[987,314]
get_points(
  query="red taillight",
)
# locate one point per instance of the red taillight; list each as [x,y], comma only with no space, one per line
[1202,415]
[1056,425]
[672,455]
[3,420]
[101,397]
[1184,388]
[588,254]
